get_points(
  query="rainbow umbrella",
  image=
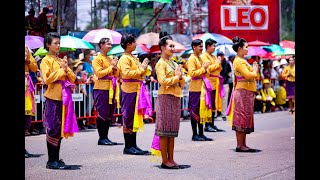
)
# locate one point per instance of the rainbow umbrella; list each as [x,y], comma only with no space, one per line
[217,37]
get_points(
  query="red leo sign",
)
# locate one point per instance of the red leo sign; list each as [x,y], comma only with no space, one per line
[244,17]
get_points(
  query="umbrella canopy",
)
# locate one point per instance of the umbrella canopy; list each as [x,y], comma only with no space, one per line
[183,39]
[42,51]
[258,43]
[287,51]
[95,35]
[226,49]
[274,48]
[140,48]
[287,44]
[33,42]
[217,37]
[74,42]
[143,1]
[177,48]
[150,38]
[256,51]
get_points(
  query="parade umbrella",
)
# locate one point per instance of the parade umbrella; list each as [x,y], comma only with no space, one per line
[217,37]
[150,38]
[143,1]
[95,35]
[287,51]
[226,49]
[287,44]
[33,42]
[117,49]
[274,48]
[182,39]
[42,51]
[189,51]
[74,42]
[256,51]
[177,48]
[258,43]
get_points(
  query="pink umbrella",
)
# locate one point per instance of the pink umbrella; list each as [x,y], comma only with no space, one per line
[33,42]
[287,44]
[258,43]
[256,51]
[95,35]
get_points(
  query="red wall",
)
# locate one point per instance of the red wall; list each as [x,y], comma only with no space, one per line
[258,21]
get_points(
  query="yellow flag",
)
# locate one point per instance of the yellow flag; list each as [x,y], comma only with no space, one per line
[125,20]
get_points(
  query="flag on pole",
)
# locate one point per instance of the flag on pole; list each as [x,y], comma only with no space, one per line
[125,20]
[50,12]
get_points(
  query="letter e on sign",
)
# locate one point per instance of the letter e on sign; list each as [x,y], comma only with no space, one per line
[244,17]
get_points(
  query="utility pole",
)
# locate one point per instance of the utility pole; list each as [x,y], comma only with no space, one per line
[190,18]
[95,14]
[59,15]
[293,19]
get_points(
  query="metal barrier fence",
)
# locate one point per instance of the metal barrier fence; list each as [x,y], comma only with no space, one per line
[84,104]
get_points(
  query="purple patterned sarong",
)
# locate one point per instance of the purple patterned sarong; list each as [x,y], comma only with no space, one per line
[105,110]
[144,101]
[290,86]
[194,105]
[53,120]
[128,103]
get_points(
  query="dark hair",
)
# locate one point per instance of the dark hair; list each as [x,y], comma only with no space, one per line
[163,37]
[209,42]
[196,42]
[281,82]
[127,38]
[103,41]
[220,53]
[48,39]
[237,42]
[45,9]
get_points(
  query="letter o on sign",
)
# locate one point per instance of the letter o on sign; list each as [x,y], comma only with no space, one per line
[254,14]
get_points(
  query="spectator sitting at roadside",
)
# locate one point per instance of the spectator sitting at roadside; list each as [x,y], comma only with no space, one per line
[267,96]
[281,96]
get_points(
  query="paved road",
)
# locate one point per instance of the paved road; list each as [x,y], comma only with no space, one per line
[274,135]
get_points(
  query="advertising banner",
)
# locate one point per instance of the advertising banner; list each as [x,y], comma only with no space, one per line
[249,19]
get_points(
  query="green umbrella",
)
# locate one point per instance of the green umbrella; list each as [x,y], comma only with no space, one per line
[42,51]
[116,50]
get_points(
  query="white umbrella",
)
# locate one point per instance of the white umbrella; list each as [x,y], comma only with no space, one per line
[95,35]
[226,49]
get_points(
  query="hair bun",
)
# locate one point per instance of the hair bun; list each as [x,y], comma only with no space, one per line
[236,39]
[162,34]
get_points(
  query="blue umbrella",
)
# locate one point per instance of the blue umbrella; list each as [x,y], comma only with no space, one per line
[217,37]
[274,48]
